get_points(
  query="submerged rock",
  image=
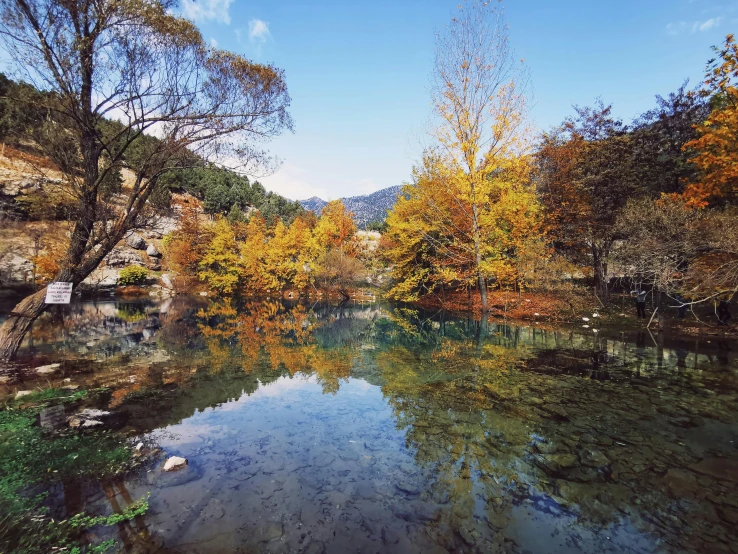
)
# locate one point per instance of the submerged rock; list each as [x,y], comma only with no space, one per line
[556,412]
[174,463]
[594,458]
[555,463]
[720,468]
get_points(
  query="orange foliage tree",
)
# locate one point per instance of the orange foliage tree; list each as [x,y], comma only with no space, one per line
[716,146]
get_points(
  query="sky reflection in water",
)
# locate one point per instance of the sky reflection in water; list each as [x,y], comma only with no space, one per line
[381,429]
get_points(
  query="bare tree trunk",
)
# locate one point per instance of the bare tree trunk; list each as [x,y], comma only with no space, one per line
[25,313]
[18,323]
[599,265]
[481,283]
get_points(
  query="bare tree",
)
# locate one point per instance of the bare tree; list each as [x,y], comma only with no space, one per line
[127,77]
[338,271]
[678,250]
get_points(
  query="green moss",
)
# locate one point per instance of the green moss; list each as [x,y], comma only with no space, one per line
[31,459]
[46,395]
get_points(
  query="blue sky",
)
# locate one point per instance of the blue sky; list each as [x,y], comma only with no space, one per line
[358,72]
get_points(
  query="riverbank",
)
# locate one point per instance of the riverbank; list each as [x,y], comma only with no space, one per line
[45,449]
[580,308]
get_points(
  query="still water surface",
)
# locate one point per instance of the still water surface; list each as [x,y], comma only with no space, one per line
[382,429]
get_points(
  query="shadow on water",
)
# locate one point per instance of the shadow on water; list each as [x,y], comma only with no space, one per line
[382,428]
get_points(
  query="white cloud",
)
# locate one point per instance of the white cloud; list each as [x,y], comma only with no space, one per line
[259,31]
[702,26]
[292,182]
[207,10]
[678,27]
[213,43]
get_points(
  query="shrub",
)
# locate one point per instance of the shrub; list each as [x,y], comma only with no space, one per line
[132,275]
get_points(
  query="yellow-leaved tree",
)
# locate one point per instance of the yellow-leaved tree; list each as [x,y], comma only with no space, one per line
[471,209]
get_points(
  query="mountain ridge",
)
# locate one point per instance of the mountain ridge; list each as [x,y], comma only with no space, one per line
[366,208]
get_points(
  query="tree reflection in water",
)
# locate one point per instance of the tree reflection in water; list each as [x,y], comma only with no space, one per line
[512,430]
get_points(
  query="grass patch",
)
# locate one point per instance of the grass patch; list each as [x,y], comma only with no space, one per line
[30,459]
[47,395]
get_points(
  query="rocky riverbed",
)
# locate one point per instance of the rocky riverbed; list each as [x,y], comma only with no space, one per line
[379,428]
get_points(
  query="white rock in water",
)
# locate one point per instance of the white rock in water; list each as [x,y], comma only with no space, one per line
[585,319]
[89,423]
[203,294]
[585,326]
[139,446]
[46,369]
[174,463]
[536,314]
[91,413]
[22,393]
[595,315]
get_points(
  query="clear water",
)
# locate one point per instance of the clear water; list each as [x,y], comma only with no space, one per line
[382,429]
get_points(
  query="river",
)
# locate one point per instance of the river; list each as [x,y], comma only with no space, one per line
[381,428]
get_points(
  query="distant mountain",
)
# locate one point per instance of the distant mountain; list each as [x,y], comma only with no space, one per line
[367,208]
[313,204]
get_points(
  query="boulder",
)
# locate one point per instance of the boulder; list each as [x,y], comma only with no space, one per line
[15,268]
[121,258]
[154,264]
[153,252]
[174,463]
[167,281]
[47,369]
[22,393]
[136,241]
[101,280]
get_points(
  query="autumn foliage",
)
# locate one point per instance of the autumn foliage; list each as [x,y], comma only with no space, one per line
[255,259]
[715,150]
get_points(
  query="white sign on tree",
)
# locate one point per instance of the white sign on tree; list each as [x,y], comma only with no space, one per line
[58,293]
